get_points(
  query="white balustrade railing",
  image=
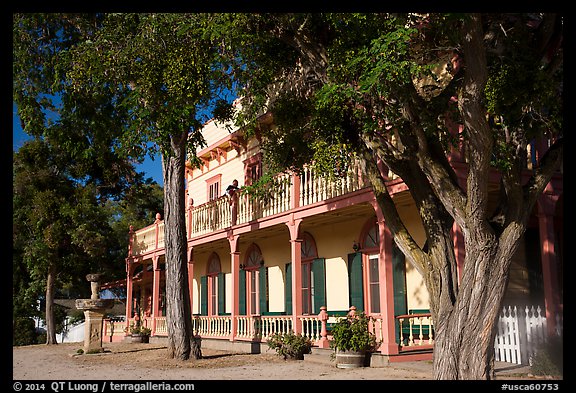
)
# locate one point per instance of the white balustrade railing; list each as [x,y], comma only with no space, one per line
[315,188]
[220,213]
[269,325]
[415,330]
[144,240]
[211,216]
[212,326]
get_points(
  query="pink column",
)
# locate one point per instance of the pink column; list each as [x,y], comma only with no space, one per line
[129,286]
[389,345]
[459,249]
[191,277]
[235,267]
[189,209]
[385,273]
[546,208]
[323,316]
[295,192]
[155,292]
[156,222]
[296,257]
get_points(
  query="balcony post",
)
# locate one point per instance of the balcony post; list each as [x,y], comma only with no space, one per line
[296,254]
[191,277]
[295,191]
[323,316]
[189,209]
[156,222]
[155,292]
[131,234]
[546,209]
[129,287]
[389,345]
[235,268]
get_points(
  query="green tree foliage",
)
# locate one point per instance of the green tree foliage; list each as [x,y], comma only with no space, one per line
[390,89]
[69,172]
[60,231]
[161,71]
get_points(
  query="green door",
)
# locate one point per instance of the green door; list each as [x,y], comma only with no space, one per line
[399,284]
[204,295]
[288,290]
[355,281]
[319,282]
[242,292]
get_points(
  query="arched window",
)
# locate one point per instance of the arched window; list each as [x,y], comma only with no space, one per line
[256,288]
[313,276]
[371,238]
[214,285]
[370,247]
[308,249]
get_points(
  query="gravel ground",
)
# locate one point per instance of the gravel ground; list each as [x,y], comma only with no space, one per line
[128,361]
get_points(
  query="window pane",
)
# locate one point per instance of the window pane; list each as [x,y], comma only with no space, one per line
[253,286]
[375,297]
[374,283]
[305,288]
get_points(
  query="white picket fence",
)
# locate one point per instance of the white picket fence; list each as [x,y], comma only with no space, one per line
[72,334]
[520,333]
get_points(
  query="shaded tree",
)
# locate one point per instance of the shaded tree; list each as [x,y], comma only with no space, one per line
[73,166]
[159,69]
[390,88]
[59,230]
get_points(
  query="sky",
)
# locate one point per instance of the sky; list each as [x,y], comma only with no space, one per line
[152,168]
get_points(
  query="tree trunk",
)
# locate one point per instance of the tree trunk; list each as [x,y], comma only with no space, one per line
[464,345]
[50,321]
[181,342]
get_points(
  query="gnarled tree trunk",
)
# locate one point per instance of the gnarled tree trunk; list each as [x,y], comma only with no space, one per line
[181,342]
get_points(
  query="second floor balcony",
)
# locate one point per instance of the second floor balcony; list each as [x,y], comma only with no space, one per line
[290,192]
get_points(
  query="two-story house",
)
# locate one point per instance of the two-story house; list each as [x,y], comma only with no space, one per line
[263,265]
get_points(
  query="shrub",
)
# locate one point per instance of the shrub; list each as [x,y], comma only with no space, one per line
[352,334]
[548,359]
[141,330]
[290,345]
[24,332]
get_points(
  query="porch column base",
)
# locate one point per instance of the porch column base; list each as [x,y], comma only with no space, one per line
[388,349]
[323,343]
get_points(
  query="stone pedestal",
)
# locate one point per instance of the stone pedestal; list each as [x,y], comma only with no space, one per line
[93,331]
[94,309]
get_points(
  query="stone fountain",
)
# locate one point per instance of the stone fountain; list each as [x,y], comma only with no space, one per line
[94,309]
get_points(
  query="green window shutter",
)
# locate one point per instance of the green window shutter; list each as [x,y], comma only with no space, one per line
[221,294]
[262,293]
[288,290]
[355,285]
[319,272]
[399,284]
[242,292]
[204,295]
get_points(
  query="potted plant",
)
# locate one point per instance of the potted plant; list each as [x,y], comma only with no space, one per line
[140,334]
[352,341]
[290,345]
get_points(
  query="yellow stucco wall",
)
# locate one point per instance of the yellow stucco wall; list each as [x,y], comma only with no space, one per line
[334,243]
[416,292]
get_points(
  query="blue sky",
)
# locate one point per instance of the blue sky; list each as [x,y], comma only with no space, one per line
[152,168]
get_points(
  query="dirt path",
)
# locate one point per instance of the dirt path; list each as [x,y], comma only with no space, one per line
[149,362]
